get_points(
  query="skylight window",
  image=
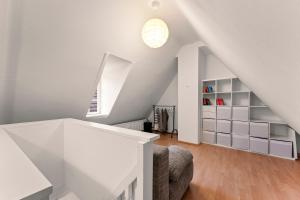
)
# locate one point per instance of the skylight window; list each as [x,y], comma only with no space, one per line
[115,71]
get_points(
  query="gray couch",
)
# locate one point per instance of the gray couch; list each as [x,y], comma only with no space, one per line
[172,172]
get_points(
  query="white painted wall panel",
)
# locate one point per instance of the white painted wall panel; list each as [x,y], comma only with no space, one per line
[170,97]
[215,68]
[189,94]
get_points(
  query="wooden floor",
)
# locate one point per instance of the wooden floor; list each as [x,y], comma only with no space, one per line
[227,174]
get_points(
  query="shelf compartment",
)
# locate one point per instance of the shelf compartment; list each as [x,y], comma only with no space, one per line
[240,142]
[281,148]
[255,101]
[260,130]
[241,91]
[263,114]
[240,99]
[240,128]
[211,83]
[224,85]
[240,113]
[224,126]
[259,145]
[209,137]
[224,112]
[281,132]
[209,125]
[211,97]
[226,98]
[237,85]
[224,139]
[209,112]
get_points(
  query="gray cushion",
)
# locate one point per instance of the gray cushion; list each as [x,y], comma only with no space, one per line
[160,173]
[179,158]
[178,188]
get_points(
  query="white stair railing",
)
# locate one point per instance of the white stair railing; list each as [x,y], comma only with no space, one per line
[127,188]
[82,158]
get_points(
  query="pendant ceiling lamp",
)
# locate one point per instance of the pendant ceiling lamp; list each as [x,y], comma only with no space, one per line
[155,32]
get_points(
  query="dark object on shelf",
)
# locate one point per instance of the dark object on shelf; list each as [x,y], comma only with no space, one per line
[206,101]
[157,109]
[148,127]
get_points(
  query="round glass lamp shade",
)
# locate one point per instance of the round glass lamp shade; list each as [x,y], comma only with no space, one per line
[155,33]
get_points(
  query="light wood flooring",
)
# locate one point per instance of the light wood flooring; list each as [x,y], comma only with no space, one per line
[226,174]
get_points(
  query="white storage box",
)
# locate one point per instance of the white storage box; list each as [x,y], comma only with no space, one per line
[259,129]
[259,145]
[240,128]
[281,148]
[240,113]
[209,125]
[209,112]
[224,126]
[224,112]
[224,139]
[209,137]
[240,142]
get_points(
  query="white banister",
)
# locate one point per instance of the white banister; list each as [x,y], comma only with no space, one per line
[145,171]
[82,160]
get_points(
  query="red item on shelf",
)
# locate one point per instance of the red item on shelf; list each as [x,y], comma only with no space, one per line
[220,101]
[205,89]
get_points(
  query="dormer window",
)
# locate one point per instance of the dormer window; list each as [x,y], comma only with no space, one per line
[115,71]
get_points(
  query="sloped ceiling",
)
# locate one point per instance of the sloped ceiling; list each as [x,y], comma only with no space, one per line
[7,74]
[259,40]
[58,47]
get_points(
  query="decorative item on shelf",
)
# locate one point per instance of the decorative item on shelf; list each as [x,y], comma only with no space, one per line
[206,101]
[220,102]
[208,89]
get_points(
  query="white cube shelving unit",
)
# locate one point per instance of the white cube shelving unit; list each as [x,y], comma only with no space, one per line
[245,120]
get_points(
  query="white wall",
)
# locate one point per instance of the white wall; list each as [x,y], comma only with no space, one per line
[215,68]
[61,46]
[170,97]
[190,63]
[113,77]
[7,73]
[259,41]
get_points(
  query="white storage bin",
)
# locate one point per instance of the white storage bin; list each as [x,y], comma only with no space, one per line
[209,125]
[209,137]
[240,113]
[259,129]
[281,148]
[240,142]
[209,112]
[224,112]
[224,139]
[259,145]
[224,126]
[240,128]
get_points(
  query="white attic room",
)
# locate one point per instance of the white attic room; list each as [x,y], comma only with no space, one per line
[149,100]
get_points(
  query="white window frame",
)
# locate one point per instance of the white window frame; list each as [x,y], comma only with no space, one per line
[98,100]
